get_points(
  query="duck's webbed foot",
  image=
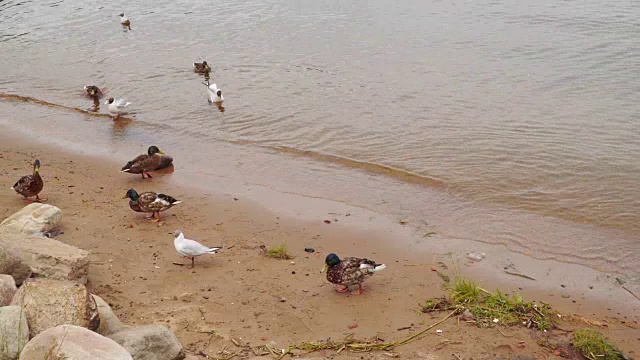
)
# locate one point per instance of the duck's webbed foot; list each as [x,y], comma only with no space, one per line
[359,291]
[342,289]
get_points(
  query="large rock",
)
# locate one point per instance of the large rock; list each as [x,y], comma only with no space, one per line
[109,323]
[33,218]
[14,332]
[72,342]
[12,264]
[48,303]
[7,289]
[150,342]
[48,257]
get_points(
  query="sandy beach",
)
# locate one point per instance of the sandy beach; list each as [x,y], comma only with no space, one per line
[243,295]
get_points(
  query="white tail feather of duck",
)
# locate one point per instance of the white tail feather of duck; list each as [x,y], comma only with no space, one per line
[378,267]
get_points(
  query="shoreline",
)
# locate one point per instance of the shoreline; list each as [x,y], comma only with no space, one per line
[267,175]
[215,217]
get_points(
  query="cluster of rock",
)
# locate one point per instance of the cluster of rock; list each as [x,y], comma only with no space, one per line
[46,311]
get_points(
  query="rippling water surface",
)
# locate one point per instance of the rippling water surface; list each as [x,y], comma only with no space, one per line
[530,106]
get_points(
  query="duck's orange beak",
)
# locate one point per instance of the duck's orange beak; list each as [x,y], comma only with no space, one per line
[325,268]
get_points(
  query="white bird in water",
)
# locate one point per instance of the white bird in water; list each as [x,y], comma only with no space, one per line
[215,94]
[117,106]
[191,248]
[124,21]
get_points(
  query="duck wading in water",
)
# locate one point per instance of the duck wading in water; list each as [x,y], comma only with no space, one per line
[144,163]
[30,185]
[349,271]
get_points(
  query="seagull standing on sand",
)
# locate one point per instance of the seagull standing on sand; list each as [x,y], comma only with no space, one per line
[117,106]
[191,248]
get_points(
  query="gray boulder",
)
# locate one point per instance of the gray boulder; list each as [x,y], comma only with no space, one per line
[48,303]
[150,342]
[33,218]
[12,264]
[48,257]
[109,323]
[14,332]
[72,342]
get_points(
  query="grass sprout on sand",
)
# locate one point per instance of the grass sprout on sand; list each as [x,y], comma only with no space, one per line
[594,346]
[279,252]
[486,307]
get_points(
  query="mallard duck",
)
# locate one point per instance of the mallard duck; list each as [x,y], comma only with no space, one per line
[124,21]
[147,162]
[117,106]
[349,271]
[191,248]
[93,91]
[215,94]
[150,202]
[201,68]
[30,185]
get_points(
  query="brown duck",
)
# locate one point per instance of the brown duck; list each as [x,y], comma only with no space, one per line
[93,91]
[201,68]
[349,271]
[152,160]
[150,202]
[30,185]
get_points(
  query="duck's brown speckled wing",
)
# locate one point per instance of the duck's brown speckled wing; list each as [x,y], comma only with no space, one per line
[153,202]
[348,272]
[143,163]
[29,185]
[165,161]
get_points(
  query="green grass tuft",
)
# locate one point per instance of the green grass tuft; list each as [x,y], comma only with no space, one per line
[279,252]
[594,346]
[464,294]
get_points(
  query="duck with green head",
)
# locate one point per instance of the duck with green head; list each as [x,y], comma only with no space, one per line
[30,185]
[152,160]
[349,271]
[150,202]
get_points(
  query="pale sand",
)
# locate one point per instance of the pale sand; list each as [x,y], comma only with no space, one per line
[239,293]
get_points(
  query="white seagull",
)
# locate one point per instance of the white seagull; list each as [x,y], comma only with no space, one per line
[215,94]
[124,21]
[117,106]
[191,248]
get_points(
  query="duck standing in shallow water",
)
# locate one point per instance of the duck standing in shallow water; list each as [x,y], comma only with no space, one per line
[125,22]
[201,68]
[117,106]
[144,163]
[191,248]
[93,92]
[349,271]
[30,185]
[150,202]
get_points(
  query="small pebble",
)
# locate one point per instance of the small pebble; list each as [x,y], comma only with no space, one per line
[309,250]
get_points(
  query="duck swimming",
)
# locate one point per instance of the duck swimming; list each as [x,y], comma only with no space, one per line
[201,68]
[349,271]
[150,202]
[144,163]
[30,185]
[93,91]
[117,106]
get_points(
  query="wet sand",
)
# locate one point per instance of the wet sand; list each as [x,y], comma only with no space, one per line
[241,294]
